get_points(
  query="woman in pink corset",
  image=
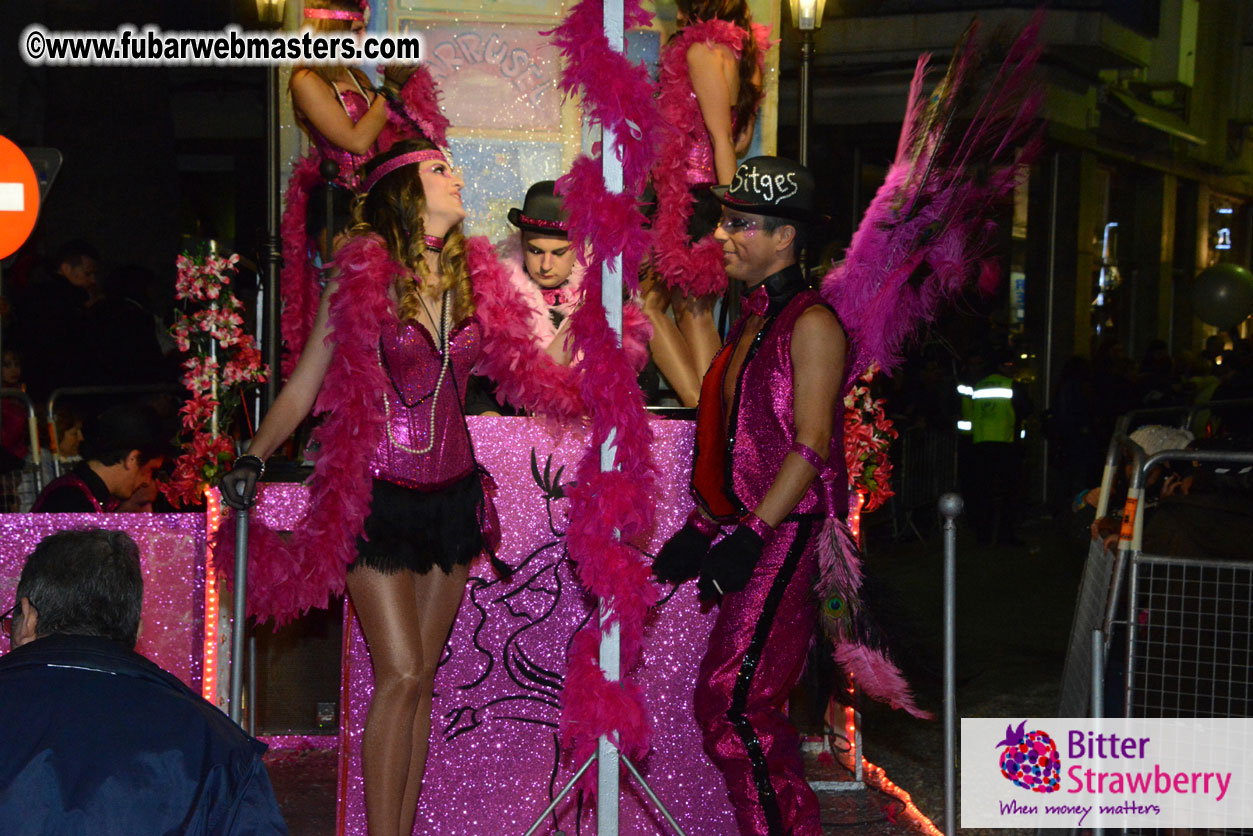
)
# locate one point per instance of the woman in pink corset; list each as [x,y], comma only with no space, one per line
[396,495]
[709,91]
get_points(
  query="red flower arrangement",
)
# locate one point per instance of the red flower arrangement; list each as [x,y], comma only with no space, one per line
[222,360]
[868,435]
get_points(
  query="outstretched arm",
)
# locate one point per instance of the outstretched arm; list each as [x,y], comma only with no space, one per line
[297,397]
[714,80]
[817,372]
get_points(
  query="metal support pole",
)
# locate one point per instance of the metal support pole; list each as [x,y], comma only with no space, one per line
[950,507]
[807,57]
[273,255]
[1098,674]
[607,771]
[564,792]
[238,614]
[653,797]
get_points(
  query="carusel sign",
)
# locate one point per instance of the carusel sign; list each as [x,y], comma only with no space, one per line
[1083,772]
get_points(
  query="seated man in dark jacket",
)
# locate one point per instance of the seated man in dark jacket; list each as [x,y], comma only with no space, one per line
[96,738]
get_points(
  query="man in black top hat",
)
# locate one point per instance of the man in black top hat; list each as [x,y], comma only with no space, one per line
[544,266]
[768,466]
[122,448]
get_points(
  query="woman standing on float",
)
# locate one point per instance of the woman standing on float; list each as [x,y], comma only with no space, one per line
[388,359]
[710,89]
[347,121]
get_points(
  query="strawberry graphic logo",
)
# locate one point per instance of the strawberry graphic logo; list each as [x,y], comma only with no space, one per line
[1030,759]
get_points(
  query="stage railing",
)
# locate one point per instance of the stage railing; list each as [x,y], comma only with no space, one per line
[32,471]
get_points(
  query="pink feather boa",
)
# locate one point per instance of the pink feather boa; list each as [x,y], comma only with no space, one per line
[693,267]
[299,285]
[524,295]
[299,278]
[528,294]
[420,112]
[608,509]
[289,575]
[524,372]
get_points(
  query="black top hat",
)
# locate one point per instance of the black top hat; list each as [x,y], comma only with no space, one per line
[772,186]
[541,212]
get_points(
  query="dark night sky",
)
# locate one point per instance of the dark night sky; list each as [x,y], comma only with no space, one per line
[149,153]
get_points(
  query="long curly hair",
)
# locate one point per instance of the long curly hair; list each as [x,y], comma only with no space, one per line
[737,12]
[393,209]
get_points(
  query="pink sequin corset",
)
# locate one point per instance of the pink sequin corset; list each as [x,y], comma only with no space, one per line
[355,106]
[698,168]
[412,363]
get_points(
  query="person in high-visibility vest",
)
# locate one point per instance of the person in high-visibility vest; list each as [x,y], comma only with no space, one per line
[994,408]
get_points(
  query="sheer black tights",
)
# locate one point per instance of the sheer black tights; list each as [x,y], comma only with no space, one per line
[406,619]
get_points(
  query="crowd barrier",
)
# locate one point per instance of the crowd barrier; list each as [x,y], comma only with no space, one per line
[924,467]
[1182,634]
[20,487]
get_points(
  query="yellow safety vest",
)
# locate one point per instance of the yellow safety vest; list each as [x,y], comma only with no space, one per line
[992,409]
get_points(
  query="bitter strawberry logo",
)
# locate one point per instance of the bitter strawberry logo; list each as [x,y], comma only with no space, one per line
[1030,759]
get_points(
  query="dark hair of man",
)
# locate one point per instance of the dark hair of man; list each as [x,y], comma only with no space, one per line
[85,583]
[770,224]
[110,437]
[73,253]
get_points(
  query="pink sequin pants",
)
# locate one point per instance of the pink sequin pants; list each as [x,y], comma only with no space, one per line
[756,653]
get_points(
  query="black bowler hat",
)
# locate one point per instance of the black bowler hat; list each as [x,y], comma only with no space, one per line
[772,186]
[541,212]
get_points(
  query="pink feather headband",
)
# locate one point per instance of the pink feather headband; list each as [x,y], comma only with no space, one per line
[394,163]
[332,14]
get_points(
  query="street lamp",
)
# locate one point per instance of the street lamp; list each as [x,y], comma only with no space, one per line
[807,17]
[270,14]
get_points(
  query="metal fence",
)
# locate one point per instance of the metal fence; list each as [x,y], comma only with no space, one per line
[18,488]
[1189,649]
[924,469]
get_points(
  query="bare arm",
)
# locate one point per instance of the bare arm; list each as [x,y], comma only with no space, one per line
[294,402]
[714,80]
[317,102]
[817,371]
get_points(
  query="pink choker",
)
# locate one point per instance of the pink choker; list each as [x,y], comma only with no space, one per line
[434,242]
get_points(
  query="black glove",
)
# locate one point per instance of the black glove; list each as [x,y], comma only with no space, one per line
[239,484]
[680,558]
[730,564]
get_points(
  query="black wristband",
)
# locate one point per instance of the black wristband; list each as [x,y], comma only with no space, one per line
[388,93]
[252,461]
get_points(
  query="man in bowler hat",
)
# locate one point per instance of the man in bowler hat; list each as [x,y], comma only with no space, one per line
[768,469]
[544,266]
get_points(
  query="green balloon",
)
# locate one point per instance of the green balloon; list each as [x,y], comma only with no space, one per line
[1222,295]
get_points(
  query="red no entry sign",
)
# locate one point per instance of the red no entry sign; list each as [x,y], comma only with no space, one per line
[19,198]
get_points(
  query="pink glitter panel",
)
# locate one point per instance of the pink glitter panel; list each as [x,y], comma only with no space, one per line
[171,549]
[494,764]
